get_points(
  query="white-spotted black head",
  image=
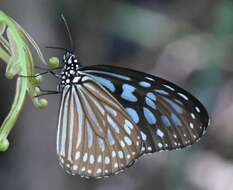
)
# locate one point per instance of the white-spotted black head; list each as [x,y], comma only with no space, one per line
[70,58]
[69,73]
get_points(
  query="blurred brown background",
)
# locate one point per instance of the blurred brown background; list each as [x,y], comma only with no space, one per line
[187,42]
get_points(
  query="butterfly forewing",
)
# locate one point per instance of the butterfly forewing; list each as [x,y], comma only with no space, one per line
[96,137]
[168,117]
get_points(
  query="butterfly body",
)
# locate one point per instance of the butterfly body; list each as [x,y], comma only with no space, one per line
[69,72]
[109,116]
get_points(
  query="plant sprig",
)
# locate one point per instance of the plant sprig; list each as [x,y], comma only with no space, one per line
[16,53]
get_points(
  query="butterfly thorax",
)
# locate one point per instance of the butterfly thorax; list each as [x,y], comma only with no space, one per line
[69,73]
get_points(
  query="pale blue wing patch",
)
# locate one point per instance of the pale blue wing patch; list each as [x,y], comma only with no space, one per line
[144,84]
[105,82]
[150,117]
[133,114]
[128,93]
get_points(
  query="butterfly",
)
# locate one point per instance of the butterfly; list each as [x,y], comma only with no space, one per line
[110,116]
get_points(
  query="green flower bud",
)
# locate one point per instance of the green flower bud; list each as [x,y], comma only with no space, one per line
[38,79]
[37,90]
[42,103]
[4,145]
[53,63]
[9,75]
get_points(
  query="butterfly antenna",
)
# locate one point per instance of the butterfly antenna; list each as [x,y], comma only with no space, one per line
[55,47]
[68,31]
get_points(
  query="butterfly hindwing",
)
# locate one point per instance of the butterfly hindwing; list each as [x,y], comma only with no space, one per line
[96,137]
[168,117]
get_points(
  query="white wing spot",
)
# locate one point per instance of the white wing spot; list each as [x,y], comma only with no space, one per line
[83,169]
[150,79]
[99,160]
[160,145]
[89,171]
[197,109]
[113,124]
[128,127]
[191,125]
[120,154]
[159,133]
[92,159]
[111,110]
[128,140]
[129,124]
[101,144]
[169,87]
[110,138]
[193,116]
[68,165]
[75,167]
[113,154]
[107,160]
[143,149]
[143,136]
[116,165]
[183,96]
[98,171]
[122,144]
[85,157]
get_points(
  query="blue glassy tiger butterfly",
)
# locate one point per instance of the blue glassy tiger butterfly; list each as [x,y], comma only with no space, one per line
[110,116]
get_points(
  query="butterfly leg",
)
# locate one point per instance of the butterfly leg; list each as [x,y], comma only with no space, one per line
[51,71]
[47,92]
[46,71]
[33,76]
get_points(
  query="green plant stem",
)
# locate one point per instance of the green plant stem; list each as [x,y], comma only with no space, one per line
[10,120]
[16,53]
[5,44]
[4,56]
[22,83]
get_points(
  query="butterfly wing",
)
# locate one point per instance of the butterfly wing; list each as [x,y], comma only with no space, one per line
[168,117]
[95,137]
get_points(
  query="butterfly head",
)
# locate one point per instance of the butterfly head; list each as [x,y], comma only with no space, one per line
[69,73]
[70,58]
